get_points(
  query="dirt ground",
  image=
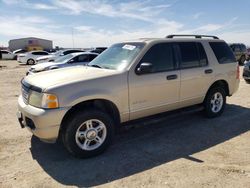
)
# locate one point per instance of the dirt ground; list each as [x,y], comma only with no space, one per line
[181,150]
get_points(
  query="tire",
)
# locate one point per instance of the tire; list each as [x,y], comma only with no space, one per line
[247,81]
[242,60]
[81,132]
[30,62]
[214,102]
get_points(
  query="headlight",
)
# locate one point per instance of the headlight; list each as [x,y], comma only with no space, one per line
[43,100]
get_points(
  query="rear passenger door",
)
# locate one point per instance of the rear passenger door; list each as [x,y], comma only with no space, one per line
[196,74]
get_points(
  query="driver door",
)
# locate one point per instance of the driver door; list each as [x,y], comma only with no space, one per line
[158,90]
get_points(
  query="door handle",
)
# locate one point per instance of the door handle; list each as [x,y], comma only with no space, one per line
[208,71]
[172,77]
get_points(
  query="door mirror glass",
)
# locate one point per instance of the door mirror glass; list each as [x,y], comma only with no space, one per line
[144,68]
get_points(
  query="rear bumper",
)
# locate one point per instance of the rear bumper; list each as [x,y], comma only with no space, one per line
[44,124]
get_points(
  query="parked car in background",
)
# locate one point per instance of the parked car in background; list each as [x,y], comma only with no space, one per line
[74,59]
[240,52]
[248,54]
[29,58]
[54,56]
[6,54]
[84,105]
[98,50]
[19,51]
[246,72]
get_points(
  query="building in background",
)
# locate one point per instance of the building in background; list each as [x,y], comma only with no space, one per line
[30,44]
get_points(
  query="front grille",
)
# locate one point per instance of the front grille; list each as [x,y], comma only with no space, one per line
[25,94]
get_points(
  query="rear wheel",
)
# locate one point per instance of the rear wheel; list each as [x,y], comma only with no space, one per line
[88,133]
[214,102]
[30,62]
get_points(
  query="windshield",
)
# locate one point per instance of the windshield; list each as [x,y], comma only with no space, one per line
[118,56]
[63,58]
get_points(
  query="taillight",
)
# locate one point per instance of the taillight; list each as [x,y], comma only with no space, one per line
[238,72]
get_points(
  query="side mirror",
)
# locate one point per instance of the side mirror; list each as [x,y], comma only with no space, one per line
[144,68]
[71,61]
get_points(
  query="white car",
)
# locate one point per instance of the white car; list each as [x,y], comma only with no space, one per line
[7,55]
[54,56]
[74,59]
[29,58]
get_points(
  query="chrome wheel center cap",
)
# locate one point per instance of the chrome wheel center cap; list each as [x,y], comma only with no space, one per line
[91,134]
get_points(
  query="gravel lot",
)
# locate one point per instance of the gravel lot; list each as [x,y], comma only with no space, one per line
[184,151]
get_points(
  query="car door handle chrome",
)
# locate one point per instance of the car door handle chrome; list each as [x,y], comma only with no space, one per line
[172,77]
[208,71]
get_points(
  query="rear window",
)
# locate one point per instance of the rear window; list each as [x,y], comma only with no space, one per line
[222,52]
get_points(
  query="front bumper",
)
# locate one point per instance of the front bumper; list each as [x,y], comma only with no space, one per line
[43,123]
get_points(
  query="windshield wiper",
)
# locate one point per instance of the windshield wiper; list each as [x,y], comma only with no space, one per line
[97,66]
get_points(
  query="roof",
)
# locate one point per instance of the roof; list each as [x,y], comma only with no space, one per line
[30,38]
[148,40]
[179,38]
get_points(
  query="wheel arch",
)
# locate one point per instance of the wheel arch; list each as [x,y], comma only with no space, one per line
[104,105]
[221,83]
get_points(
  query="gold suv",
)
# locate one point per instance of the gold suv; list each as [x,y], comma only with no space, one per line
[128,81]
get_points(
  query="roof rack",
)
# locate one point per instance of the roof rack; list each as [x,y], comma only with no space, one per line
[196,36]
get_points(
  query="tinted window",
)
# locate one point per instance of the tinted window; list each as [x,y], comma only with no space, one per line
[236,48]
[189,55]
[44,53]
[39,53]
[222,52]
[71,51]
[4,52]
[92,56]
[161,57]
[243,48]
[82,58]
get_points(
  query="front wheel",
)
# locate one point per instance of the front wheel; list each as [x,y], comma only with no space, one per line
[247,81]
[88,133]
[214,102]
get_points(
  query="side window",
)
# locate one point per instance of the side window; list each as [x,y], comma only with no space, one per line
[67,52]
[237,48]
[35,53]
[83,58]
[189,55]
[91,57]
[4,52]
[222,52]
[44,53]
[161,57]
[243,48]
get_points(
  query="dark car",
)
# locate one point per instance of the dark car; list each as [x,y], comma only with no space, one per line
[98,50]
[246,72]
[248,54]
[240,52]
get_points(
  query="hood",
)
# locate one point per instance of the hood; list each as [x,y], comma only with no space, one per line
[66,76]
[42,66]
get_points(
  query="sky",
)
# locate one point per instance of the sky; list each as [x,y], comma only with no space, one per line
[91,23]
